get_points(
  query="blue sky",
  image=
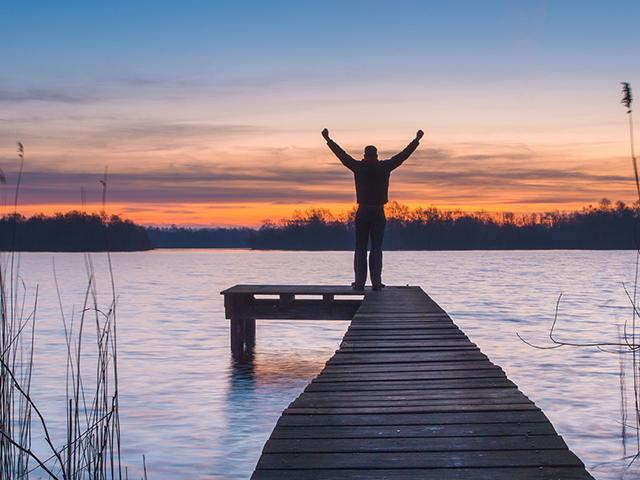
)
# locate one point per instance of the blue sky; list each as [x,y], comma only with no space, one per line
[102,40]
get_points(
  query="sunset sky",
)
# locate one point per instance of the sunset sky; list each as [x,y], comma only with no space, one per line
[209,113]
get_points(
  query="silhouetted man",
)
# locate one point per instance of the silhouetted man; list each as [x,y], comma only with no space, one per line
[372,187]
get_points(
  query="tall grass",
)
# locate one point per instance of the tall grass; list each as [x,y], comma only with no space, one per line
[631,339]
[90,448]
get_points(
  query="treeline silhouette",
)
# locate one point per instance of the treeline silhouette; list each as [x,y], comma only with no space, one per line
[71,232]
[181,237]
[606,226]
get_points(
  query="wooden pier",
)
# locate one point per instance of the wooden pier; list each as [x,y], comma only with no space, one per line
[406,396]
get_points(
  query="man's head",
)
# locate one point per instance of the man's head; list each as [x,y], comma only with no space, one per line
[370,153]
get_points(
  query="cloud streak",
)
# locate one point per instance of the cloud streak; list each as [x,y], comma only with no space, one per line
[285,183]
[178,132]
[43,95]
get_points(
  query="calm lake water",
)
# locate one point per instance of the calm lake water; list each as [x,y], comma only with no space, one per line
[195,415]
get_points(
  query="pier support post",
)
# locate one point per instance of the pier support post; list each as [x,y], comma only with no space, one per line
[242,327]
[243,336]
[250,332]
[237,336]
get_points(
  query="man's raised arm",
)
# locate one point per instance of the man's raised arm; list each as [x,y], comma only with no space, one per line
[397,160]
[346,159]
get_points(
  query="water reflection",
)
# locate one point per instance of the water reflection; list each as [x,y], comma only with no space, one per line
[262,383]
[242,378]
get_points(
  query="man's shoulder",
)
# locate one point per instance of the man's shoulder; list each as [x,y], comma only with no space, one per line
[386,164]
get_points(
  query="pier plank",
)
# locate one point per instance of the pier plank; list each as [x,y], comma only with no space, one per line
[417,431]
[406,460]
[442,444]
[501,473]
[396,376]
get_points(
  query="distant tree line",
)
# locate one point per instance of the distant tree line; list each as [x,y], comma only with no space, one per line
[180,237]
[606,226]
[71,232]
